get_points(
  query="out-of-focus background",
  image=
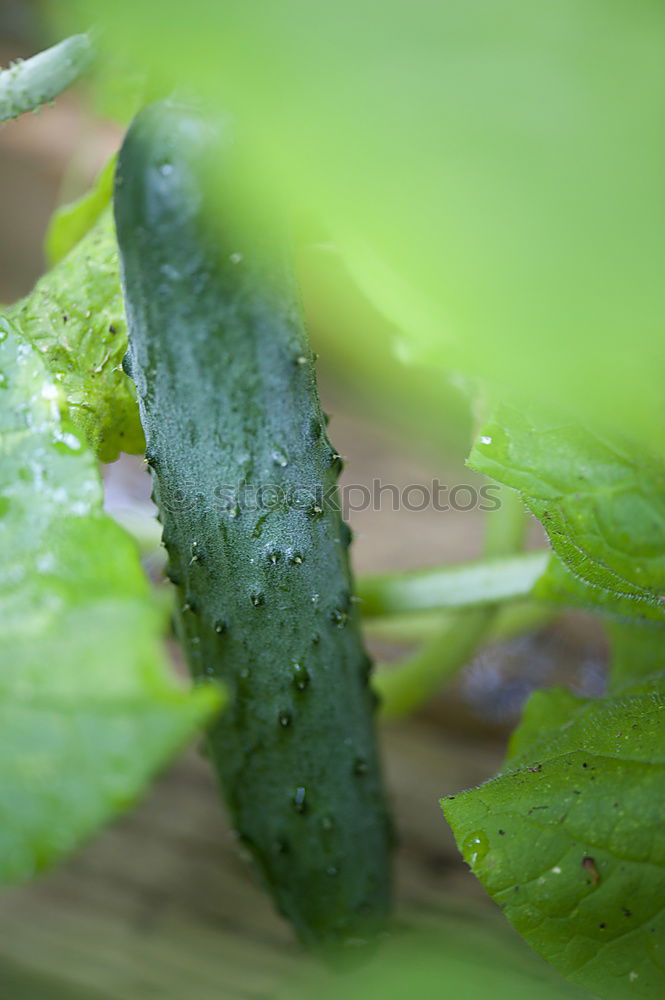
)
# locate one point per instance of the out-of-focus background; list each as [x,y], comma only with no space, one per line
[162,904]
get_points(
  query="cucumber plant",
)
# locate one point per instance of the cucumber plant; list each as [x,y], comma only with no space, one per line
[568,837]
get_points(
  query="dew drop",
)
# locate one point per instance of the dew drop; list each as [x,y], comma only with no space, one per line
[299,799]
[301,676]
[279,457]
[258,599]
[285,719]
[221,626]
[475,847]
[339,617]
[66,442]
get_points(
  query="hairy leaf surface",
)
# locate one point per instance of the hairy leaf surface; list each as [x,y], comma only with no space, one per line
[602,506]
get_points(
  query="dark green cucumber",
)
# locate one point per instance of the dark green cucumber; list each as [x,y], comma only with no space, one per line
[229,405]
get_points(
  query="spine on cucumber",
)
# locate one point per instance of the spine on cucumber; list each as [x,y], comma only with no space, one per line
[245,481]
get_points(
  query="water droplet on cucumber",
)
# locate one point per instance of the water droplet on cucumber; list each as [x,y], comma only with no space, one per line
[301,676]
[279,457]
[300,799]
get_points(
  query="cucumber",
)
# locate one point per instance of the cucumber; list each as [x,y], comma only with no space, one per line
[229,405]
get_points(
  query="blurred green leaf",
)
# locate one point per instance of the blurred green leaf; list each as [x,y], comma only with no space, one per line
[490,173]
[570,838]
[467,956]
[88,708]
[75,317]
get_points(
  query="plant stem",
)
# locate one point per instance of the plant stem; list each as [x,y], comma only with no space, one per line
[406,686]
[25,86]
[512,618]
[490,581]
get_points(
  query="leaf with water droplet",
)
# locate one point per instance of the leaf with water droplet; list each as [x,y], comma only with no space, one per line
[67,317]
[573,830]
[89,709]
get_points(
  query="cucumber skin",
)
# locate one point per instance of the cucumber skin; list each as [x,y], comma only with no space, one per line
[227,393]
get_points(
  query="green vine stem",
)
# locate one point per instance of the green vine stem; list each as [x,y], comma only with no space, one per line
[406,686]
[489,581]
[513,618]
[26,85]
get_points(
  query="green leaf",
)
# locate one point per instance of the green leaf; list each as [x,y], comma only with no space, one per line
[602,505]
[489,177]
[570,839]
[558,585]
[89,710]
[69,223]
[25,86]
[75,317]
